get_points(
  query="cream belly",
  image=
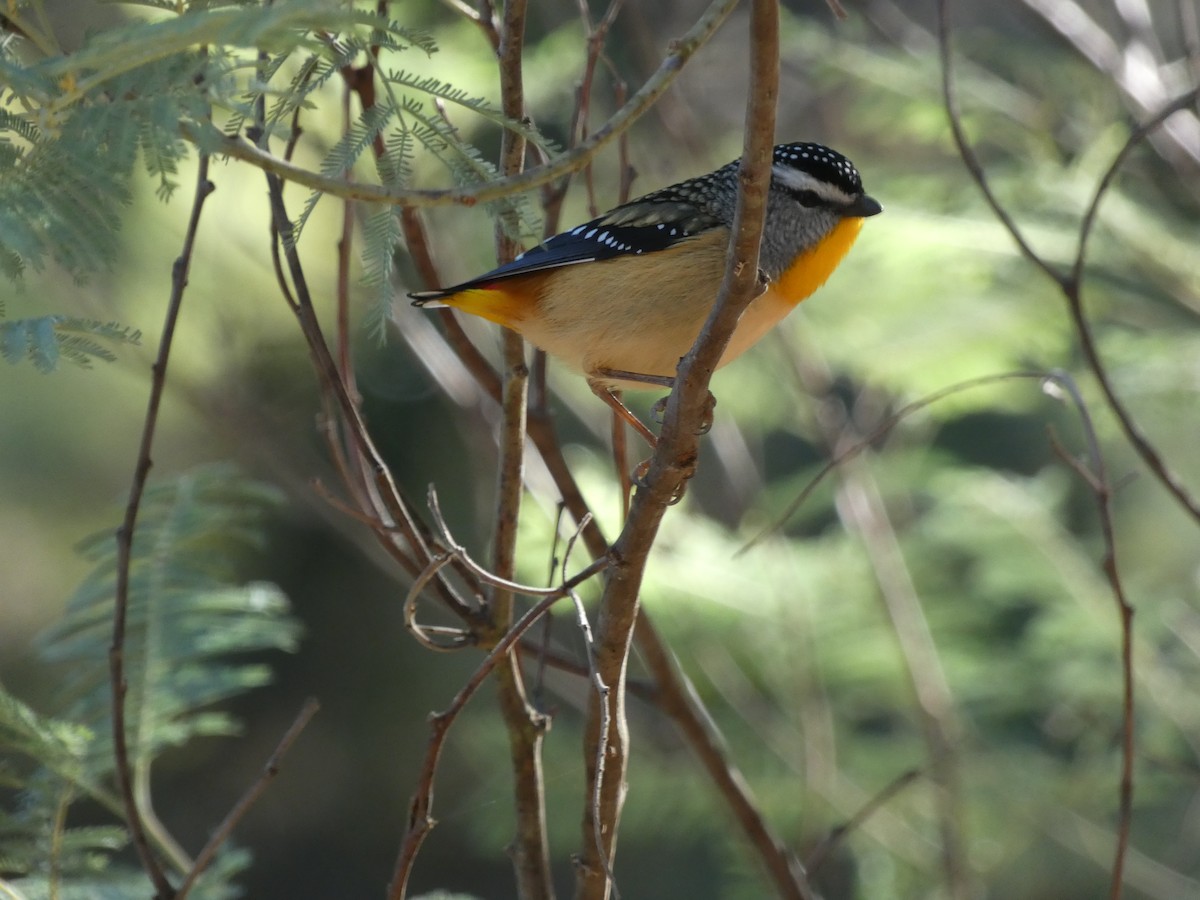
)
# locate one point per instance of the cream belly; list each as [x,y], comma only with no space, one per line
[653,306]
[633,330]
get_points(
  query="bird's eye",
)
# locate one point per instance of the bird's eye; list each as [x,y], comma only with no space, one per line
[808,198]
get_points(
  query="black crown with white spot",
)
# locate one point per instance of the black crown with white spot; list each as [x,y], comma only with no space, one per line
[822,163]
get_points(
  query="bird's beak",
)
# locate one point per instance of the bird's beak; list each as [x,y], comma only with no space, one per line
[862,207]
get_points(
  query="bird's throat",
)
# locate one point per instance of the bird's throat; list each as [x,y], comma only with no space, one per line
[812,268]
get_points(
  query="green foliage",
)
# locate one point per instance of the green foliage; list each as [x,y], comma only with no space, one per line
[72,126]
[47,340]
[190,629]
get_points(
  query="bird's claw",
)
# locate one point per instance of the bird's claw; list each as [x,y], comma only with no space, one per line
[706,420]
[638,479]
[659,409]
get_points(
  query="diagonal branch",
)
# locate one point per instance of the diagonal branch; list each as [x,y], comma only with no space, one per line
[420,822]
[269,771]
[674,462]
[572,161]
[1070,283]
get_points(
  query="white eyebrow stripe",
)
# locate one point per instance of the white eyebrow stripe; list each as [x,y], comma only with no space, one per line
[797,180]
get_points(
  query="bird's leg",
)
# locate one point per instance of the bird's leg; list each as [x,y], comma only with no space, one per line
[621,458]
[605,393]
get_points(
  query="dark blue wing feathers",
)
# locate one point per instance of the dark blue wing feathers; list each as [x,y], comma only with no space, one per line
[653,223]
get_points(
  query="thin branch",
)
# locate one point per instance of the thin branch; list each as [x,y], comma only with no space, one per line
[530,851]
[1071,283]
[967,153]
[821,852]
[250,797]
[420,822]
[125,536]
[1136,136]
[499,581]
[674,460]
[1072,288]
[848,451]
[1095,476]
[572,161]
[394,511]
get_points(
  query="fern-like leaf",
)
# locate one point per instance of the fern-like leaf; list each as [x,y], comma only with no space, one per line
[381,234]
[478,105]
[469,167]
[186,622]
[46,340]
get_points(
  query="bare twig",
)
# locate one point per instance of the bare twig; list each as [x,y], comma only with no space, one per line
[125,536]
[821,852]
[849,450]
[394,512]
[250,797]
[572,161]
[1136,136]
[1072,288]
[526,726]
[499,581]
[1071,283]
[1095,475]
[967,153]
[420,822]
[675,458]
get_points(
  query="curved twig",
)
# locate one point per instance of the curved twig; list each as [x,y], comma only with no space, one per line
[459,637]
[571,161]
[420,822]
[1070,283]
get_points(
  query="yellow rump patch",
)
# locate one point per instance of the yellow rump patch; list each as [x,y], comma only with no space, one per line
[812,268]
[506,304]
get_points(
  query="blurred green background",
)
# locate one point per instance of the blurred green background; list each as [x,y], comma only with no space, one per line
[789,642]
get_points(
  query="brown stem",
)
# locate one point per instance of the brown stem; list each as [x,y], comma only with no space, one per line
[249,798]
[420,821]
[571,161]
[526,725]
[674,461]
[1095,475]
[125,535]
[1071,283]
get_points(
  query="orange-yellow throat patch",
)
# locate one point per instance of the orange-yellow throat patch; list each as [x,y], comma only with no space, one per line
[812,268]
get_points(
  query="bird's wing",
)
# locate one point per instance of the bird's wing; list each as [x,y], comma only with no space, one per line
[653,223]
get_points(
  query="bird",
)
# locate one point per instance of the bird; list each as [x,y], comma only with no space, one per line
[623,297]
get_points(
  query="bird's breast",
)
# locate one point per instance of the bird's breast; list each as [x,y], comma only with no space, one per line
[812,267]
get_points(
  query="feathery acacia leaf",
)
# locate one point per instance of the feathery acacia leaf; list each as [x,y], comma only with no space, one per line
[185,617]
[46,340]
